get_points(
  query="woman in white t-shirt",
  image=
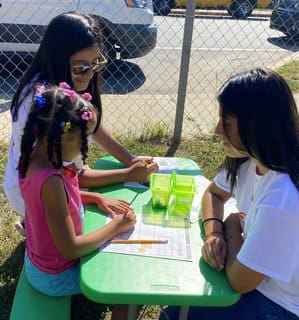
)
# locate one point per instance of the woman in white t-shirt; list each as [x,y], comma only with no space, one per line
[259,246]
[71,51]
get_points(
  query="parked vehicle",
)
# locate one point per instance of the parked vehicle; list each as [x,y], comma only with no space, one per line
[285,17]
[163,7]
[238,9]
[127,24]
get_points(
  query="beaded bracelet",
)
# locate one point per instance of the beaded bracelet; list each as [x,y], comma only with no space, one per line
[212,219]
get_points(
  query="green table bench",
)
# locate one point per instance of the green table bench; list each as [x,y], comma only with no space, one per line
[30,304]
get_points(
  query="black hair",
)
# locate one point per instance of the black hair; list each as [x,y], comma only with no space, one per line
[53,113]
[268,121]
[65,35]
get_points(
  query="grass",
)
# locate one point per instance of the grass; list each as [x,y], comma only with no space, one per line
[290,71]
[154,141]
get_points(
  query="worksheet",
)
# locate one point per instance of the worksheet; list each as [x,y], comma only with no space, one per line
[166,164]
[177,246]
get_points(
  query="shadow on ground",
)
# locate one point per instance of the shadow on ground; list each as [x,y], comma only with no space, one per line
[119,76]
[284,42]
[9,275]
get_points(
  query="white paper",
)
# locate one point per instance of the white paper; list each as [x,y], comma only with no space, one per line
[178,246]
[201,184]
[166,164]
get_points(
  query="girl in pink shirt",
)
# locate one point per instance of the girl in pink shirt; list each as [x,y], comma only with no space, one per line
[56,131]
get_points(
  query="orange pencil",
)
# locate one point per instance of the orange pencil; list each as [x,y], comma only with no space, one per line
[141,241]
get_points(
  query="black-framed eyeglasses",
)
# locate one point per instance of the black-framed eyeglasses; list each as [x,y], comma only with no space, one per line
[79,69]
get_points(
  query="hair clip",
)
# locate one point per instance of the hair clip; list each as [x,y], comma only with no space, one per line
[87,115]
[64,85]
[40,100]
[66,126]
[87,96]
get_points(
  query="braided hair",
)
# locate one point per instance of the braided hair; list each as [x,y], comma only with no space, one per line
[54,112]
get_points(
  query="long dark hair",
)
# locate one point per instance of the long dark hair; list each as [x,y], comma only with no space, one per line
[65,35]
[268,121]
[53,113]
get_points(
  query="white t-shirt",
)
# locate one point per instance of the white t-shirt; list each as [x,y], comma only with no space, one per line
[11,176]
[271,232]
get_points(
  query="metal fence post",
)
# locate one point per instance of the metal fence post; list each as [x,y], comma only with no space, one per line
[184,70]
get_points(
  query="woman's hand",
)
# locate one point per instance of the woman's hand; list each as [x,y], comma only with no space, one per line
[141,170]
[124,222]
[214,251]
[112,206]
[144,159]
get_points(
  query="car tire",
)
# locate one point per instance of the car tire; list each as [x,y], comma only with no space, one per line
[163,7]
[241,9]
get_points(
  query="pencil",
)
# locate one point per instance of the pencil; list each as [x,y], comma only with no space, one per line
[142,241]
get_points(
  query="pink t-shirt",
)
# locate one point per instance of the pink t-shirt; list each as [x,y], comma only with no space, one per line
[39,243]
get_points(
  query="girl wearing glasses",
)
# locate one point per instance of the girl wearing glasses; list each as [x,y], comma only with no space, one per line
[259,247]
[71,51]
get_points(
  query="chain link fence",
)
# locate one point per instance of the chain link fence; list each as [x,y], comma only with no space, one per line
[164,69]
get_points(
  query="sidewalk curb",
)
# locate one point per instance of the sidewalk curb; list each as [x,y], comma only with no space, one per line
[292,57]
[223,12]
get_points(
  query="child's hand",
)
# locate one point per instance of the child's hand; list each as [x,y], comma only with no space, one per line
[141,170]
[124,222]
[110,205]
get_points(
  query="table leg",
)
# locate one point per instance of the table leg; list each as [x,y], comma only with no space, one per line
[184,310]
[132,312]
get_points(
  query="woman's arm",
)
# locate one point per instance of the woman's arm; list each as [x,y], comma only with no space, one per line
[106,140]
[139,171]
[70,245]
[241,278]
[214,248]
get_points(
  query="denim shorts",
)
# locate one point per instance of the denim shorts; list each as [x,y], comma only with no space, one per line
[251,306]
[65,283]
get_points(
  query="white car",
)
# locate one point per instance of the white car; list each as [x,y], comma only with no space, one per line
[128,24]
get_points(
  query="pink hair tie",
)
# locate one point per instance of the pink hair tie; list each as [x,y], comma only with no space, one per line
[87,96]
[64,85]
[68,91]
[71,93]
[87,115]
